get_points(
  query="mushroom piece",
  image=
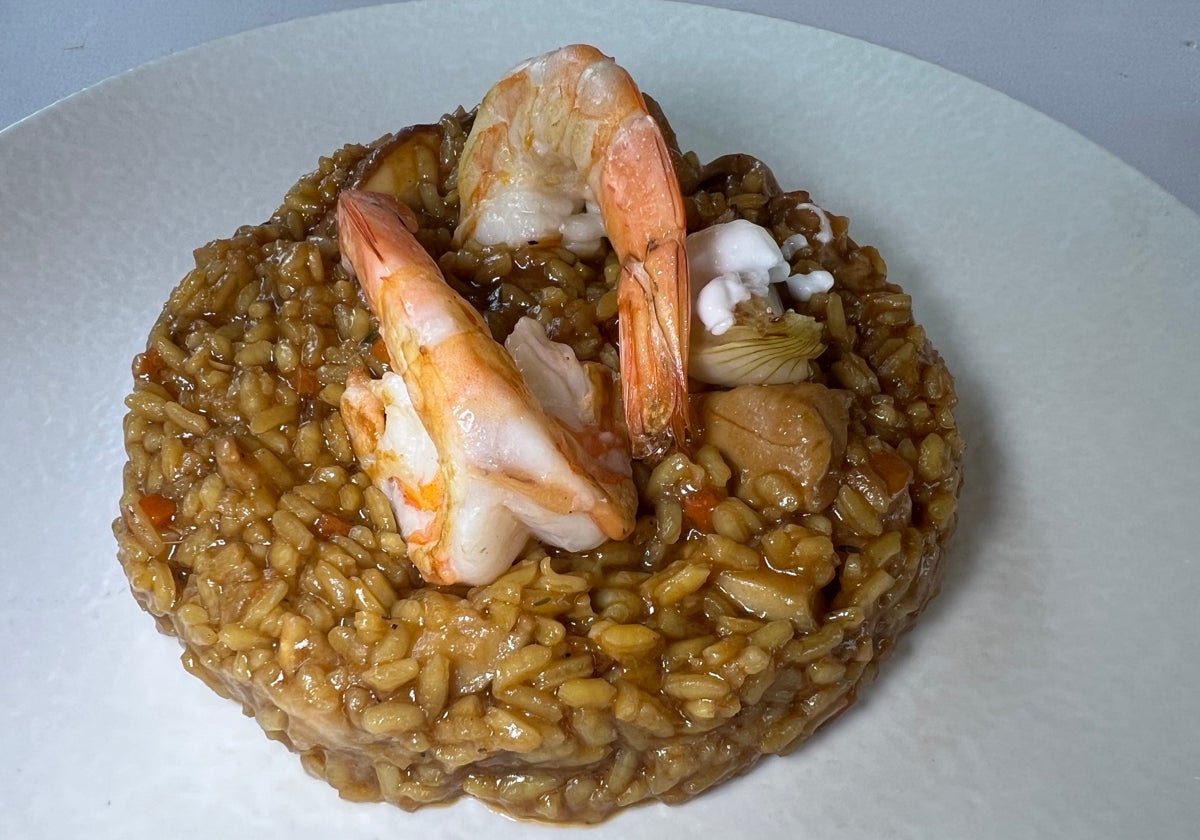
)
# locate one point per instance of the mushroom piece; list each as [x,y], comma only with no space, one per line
[798,429]
[399,165]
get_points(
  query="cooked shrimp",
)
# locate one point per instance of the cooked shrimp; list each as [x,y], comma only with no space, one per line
[474,453]
[564,150]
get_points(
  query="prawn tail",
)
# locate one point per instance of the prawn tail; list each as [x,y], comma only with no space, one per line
[375,235]
[652,300]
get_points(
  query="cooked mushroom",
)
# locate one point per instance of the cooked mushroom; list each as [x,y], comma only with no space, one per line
[798,429]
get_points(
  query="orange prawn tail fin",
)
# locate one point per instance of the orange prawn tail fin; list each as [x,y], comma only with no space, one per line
[653,306]
[375,233]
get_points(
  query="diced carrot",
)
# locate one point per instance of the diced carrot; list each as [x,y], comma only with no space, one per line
[159,509]
[894,470]
[380,352]
[328,525]
[698,506]
[304,381]
[148,363]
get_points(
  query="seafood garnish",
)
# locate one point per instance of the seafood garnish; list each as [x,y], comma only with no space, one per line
[562,151]
[745,335]
[477,447]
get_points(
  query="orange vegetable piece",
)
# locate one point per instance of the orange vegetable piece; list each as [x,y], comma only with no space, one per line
[698,506]
[328,525]
[148,363]
[158,509]
[305,382]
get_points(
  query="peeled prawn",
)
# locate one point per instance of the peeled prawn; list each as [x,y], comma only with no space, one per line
[564,150]
[476,446]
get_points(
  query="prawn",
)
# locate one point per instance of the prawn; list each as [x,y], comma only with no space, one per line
[477,447]
[563,149]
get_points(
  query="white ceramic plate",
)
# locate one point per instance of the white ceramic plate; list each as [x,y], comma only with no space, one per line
[1051,690]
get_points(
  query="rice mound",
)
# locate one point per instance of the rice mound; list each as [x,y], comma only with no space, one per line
[743,612]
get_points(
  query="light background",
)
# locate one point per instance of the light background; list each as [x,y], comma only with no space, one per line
[1124,74]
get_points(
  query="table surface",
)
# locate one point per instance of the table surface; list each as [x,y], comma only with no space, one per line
[1071,521]
[1125,75]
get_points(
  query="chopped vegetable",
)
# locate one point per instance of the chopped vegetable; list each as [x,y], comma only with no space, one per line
[380,352]
[327,525]
[698,506]
[304,381]
[148,363]
[158,509]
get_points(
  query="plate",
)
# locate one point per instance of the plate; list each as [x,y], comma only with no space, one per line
[1049,691]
